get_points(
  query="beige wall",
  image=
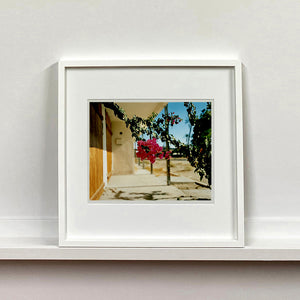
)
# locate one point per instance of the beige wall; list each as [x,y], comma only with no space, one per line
[123,155]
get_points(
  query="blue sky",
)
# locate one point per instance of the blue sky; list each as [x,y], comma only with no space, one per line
[181,129]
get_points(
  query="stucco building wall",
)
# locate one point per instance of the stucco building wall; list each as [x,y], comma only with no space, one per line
[122,149]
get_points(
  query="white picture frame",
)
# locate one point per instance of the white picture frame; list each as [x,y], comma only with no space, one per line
[79,224]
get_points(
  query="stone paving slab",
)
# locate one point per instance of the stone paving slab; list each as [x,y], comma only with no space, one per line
[181,179]
[142,193]
[197,193]
[141,171]
[145,186]
[135,180]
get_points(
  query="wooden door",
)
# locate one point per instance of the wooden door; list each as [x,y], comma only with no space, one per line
[108,145]
[96,151]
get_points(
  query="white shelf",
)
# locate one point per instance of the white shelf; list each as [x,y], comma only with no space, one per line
[267,239]
[47,249]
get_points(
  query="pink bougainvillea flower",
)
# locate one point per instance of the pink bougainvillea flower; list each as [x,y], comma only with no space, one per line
[150,150]
[167,155]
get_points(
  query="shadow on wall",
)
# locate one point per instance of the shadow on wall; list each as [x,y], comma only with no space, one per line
[249,189]
[49,169]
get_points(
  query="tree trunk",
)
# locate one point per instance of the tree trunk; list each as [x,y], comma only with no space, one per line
[151,165]
[167,145]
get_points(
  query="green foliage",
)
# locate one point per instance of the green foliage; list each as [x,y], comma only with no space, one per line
[199,150]
[118,111]
[137,125]
[152,126]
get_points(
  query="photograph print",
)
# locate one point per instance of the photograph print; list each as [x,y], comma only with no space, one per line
[150,151]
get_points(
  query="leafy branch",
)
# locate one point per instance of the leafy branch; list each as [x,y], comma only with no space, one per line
[199,150]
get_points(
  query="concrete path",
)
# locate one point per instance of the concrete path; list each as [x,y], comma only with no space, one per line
[142,193]
[135,180]
[145,186]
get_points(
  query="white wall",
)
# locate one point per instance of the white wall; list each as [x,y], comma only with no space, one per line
[123,155]
[263,34]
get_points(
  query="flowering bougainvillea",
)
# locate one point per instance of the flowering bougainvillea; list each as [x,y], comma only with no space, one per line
[150,150]
[172,119]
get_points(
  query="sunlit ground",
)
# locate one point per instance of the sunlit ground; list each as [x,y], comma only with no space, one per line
[185,184]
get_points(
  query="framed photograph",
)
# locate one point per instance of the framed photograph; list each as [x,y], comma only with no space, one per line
[150,154]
